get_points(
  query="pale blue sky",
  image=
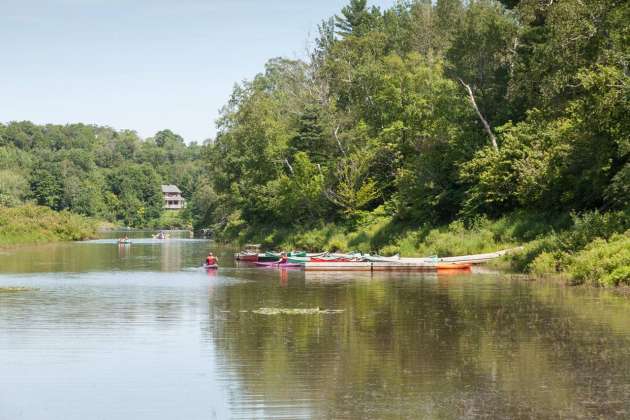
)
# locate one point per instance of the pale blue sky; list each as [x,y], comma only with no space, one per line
[143,64]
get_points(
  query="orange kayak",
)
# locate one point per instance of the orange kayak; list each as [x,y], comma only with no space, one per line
[453,266]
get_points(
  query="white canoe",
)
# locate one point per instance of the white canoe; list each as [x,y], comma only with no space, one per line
[472,259]
[338,266]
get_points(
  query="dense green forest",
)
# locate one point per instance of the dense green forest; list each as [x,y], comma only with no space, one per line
[430,113]
[94,171]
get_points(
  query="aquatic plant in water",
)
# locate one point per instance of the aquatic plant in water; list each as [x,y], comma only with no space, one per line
[295,311]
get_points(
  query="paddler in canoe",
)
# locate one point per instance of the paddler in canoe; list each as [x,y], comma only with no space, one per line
[211,261]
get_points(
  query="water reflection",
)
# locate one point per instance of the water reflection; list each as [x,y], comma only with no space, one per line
[155,336]
[418,347]
[142,254]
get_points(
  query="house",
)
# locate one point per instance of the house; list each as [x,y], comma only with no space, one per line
[173,199]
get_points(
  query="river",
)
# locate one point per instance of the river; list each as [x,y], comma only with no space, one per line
[140,332]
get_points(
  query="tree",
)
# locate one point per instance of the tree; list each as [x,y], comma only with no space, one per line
[137,188]
[356,19]
[310,137]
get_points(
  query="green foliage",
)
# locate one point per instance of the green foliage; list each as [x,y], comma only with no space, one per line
[605,263]
[481,54]
[34,224]
[544,264]
[356,19]
[172,219]
[93,170]
[378,119]
[137,188]
[301,193]
[585,229]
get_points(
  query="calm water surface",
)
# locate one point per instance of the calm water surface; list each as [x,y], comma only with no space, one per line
[139,332]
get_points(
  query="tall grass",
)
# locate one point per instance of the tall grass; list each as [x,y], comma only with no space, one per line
[30,224]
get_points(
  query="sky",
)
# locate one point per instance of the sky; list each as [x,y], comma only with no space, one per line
[144,65]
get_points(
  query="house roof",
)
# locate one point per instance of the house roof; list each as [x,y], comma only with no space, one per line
[170,189]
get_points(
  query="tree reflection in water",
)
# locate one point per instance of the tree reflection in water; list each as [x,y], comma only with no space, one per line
[419,346]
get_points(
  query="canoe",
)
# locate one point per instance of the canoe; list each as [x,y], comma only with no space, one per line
[378,258]
[314,254]
[401,266]
[210,266]
[453,266]
[383,266]
[297,254]
[268,257]
[278,264]
[338,266]
[464,259]
[247,257]
[124,242]
[330,259]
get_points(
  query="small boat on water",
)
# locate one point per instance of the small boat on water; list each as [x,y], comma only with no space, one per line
[249,254]
[453,266]
[332,259]
[211,266]
[124,242]
[384,266]
[247,257]
[268,257]
[463,259]
[278,264]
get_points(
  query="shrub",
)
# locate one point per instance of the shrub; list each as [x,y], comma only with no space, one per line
[619,276]
[602,262]
[522,260]
[545,263]
[32,224]
[592,225]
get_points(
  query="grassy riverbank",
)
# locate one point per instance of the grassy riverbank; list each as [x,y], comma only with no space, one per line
[30,224]
[592,248]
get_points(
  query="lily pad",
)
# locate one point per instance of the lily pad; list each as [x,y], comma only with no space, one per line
[295,311]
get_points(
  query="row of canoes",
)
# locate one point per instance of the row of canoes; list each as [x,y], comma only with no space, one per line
[253,256]
[322,265]
[360,262]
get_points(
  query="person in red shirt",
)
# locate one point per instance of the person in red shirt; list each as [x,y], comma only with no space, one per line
[211,259]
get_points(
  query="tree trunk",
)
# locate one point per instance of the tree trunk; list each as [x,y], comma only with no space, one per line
[493,139]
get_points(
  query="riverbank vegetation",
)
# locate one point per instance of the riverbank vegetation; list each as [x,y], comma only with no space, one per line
[437,128]
[94,171]
[30,224]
